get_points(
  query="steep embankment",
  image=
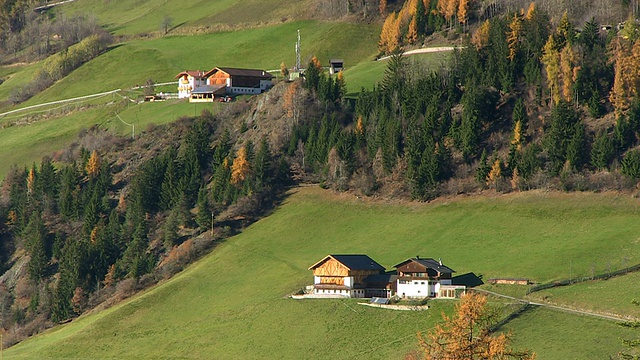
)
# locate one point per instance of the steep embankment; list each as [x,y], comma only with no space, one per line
[232,303]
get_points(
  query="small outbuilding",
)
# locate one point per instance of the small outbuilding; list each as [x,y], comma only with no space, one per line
[335,66]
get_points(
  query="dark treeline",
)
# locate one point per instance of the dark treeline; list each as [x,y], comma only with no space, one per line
[523,104]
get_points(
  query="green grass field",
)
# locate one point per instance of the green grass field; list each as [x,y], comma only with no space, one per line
[133,63]
[232,303]
[612,296]
[142,16]
[558,335]
[367,73]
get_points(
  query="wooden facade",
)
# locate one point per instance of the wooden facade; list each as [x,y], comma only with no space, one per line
[423,268]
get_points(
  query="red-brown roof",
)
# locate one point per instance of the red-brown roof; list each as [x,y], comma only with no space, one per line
[240,72]
[194,73]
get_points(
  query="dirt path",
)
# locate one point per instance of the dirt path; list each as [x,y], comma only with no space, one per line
[556,307]
[423,51]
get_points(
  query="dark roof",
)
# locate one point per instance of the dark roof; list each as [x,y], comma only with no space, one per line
[333,61]
[241,72]
[208,89]
[429,263]
[468,280]
[353,262]
[194,73]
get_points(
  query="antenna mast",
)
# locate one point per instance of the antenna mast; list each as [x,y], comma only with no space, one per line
[298,52]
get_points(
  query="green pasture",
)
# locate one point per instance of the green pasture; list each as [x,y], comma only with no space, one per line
[369,72]
[613,296]
[128,17]
[558,335]
[233,302]
[23,144]
[133,63]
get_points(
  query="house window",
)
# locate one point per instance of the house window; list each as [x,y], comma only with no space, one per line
[422,283]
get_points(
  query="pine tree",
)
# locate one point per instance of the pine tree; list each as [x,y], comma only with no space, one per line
[261,165]
[34,235]
[482,172]
[421,18]
[602,151]
[170,230]
[203,217]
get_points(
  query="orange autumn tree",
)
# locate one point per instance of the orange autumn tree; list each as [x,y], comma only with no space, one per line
[390,34]
[382,6]
[412,33]
[93,165]
[240,167]
[466,335]
[480,37]
[463,13]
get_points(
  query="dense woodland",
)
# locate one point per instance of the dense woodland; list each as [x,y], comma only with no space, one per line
[529,100]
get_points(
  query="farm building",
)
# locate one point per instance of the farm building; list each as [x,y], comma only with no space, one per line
[360,276]
[335,66]
[419,278]
[344,275]
[199,86]
[188,81]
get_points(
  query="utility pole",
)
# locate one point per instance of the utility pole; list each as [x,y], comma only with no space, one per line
[298,52]
[133,128]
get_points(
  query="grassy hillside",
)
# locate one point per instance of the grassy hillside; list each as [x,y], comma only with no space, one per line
[160,60]
[135,16]
[367,73]
[598,295]
[135,62]
[232,303]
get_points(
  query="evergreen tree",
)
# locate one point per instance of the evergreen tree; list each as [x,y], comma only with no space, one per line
[34,236]
[602,151]
[170,230]
[631,164]
[203,217]
[482,172]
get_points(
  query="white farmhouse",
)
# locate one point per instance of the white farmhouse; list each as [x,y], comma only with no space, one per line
[188,81]
[420,278]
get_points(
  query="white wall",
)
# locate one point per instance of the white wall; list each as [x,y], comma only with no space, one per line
[414,288]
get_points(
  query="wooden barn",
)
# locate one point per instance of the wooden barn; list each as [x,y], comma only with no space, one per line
[343,275]
[240,81]
[199,86]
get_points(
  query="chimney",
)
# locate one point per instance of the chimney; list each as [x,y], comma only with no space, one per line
[440,261]
[418,257]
